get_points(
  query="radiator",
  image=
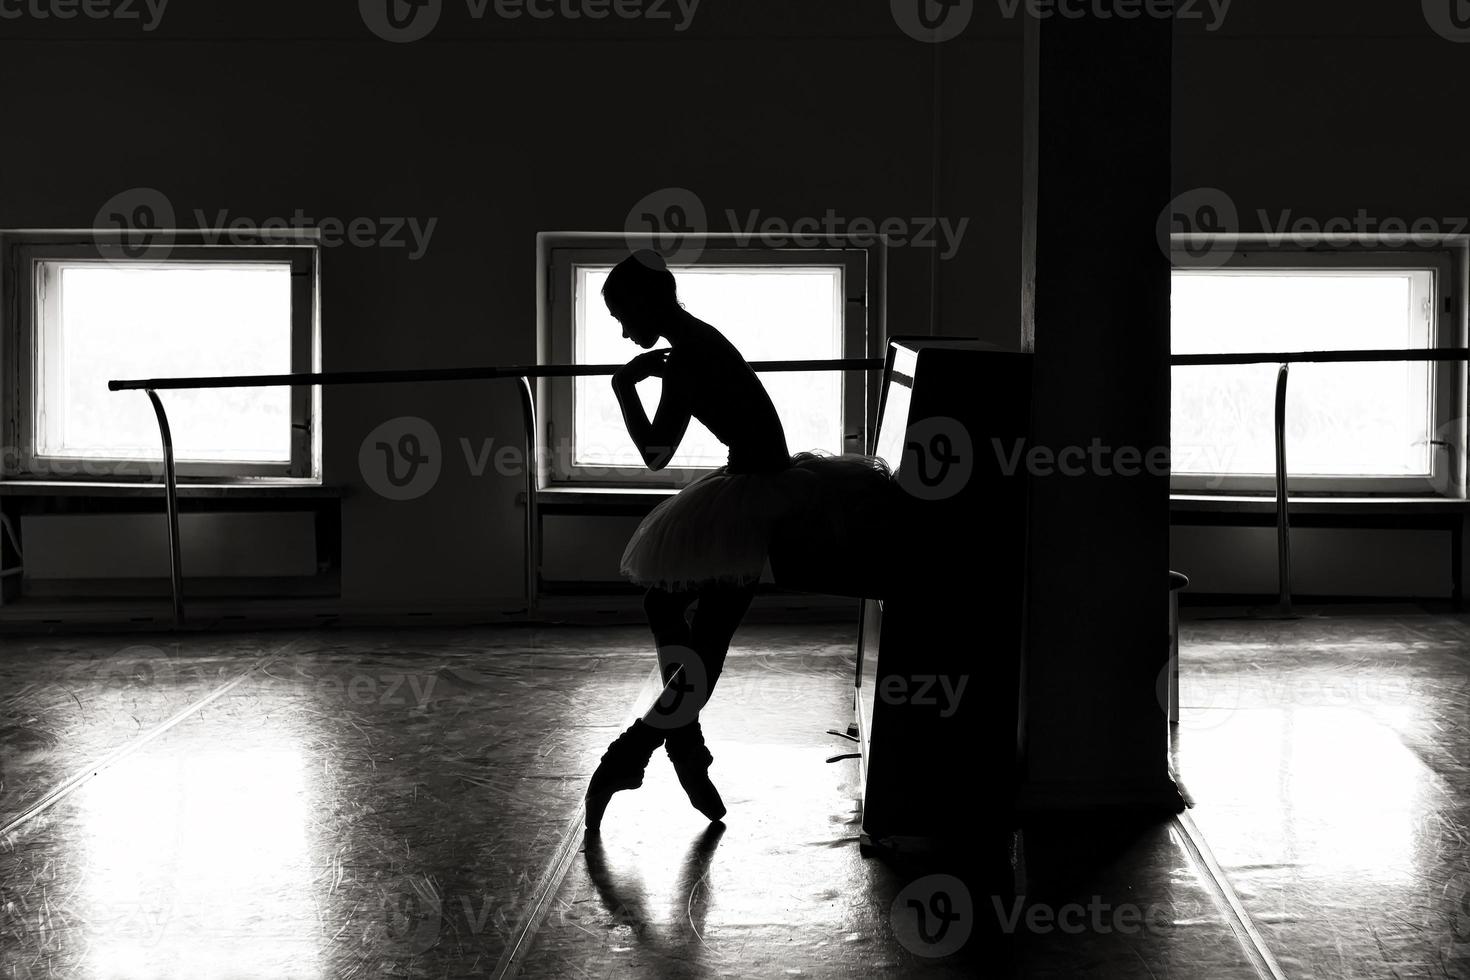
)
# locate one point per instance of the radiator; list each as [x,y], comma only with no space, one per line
[127,546]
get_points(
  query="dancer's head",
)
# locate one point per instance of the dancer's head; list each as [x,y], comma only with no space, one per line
[640,294]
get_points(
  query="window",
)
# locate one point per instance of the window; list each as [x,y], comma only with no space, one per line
[771,304]
[1355,428]
[85,319]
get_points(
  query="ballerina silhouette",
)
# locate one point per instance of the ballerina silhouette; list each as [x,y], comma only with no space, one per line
[708,545]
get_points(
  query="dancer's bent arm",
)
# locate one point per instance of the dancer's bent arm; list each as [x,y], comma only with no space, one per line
[658,439]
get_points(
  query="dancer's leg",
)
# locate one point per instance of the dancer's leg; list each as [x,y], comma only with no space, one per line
[668,618]
[623,764]
[716,619]
[719,614]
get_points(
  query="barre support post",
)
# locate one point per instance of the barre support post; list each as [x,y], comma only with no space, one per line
[533,565]
[1283,523]
[171,495]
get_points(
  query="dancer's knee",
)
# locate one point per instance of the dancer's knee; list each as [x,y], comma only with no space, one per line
[662,607]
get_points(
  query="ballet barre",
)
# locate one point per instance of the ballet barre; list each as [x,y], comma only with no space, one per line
[1284,361]
[523,374]
[528,372]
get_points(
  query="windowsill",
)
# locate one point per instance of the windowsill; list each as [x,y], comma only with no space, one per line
[1177,501]
[81,488]
[1256,503]
[599,492]
[594,499]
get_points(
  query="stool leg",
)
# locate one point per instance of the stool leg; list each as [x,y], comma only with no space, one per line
[1173,657]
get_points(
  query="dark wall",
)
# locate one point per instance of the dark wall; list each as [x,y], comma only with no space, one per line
[1320,111]
[499,130]
[1323,108]
[502,128]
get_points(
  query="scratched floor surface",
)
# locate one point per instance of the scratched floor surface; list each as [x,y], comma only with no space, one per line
[376,803]
[1330,761]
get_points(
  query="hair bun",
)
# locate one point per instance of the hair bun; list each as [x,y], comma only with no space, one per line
[650,259]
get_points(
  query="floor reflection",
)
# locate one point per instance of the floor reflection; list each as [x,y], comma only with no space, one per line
[198,861]
[387,805]
[659,923]
[1327,757]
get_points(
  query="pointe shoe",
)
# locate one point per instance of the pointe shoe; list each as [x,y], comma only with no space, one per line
[621,768]
[692,759]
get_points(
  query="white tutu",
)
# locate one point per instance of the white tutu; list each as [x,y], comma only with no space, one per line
[718,529]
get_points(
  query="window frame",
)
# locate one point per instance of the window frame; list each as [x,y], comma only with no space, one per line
[1446,259]
[561,254]
[22,360]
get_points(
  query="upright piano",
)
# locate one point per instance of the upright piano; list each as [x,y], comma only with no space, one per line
[941,574]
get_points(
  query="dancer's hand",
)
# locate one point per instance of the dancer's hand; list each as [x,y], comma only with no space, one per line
[648,365]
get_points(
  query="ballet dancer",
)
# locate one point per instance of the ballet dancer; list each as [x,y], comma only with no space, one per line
[706,546]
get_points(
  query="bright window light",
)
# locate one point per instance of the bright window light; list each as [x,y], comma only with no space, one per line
[103,320]
[768,313]
[1349,420]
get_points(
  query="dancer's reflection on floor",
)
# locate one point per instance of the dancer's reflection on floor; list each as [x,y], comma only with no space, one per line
[658,930]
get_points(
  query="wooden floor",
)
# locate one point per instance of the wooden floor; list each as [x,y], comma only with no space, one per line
[406,804]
